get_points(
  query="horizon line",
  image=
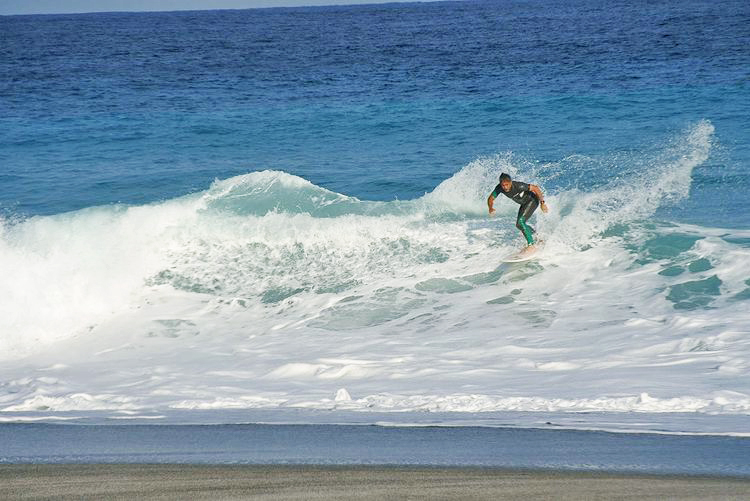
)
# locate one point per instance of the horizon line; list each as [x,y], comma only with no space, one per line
[323,4]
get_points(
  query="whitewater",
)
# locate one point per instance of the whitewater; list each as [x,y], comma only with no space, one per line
[267,292]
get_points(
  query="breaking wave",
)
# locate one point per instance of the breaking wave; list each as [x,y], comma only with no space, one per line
[286,288]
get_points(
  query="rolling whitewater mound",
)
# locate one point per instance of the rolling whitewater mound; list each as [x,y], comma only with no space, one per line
[267,291]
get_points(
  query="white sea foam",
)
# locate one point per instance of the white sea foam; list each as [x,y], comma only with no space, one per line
[267,291]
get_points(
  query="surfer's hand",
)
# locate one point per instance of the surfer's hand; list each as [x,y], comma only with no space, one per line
[544,207]
[492,212]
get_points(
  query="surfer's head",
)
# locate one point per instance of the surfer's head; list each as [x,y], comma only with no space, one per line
[505,181]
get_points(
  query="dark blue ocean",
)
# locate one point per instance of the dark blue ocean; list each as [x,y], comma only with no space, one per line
[380,102]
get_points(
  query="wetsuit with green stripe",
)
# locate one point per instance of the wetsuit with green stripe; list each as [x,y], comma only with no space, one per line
[521,194]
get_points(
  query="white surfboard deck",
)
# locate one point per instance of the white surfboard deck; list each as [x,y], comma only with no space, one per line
[524,254]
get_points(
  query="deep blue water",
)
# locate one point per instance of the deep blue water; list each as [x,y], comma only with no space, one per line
[380,102]
[334,444]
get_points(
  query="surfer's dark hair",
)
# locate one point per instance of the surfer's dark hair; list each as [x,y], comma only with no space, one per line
[504,177]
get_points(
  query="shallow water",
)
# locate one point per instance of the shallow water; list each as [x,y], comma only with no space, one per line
[372,445]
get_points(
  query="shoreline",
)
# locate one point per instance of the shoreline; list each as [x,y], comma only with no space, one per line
[181,481]
[686,424]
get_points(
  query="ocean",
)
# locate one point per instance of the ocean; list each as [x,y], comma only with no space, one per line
[285,210]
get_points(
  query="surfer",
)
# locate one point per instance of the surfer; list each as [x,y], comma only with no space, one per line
[529,196]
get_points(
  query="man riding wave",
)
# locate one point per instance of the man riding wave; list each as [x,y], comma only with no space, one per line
[528,196]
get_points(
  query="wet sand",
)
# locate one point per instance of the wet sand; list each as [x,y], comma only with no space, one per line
[345,482]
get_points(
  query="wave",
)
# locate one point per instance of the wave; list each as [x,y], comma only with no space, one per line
[271,235]
[278,282]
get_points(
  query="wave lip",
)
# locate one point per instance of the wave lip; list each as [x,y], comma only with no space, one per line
[260,193]
[636,188]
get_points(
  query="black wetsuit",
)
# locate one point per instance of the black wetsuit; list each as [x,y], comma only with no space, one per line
[521,194]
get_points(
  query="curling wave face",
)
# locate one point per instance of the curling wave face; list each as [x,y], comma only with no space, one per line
[268,291]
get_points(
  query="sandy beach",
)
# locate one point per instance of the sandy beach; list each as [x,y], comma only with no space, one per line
[332,483]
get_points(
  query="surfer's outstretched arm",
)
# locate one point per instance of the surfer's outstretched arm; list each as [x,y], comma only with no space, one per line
[539,195]
[490,203]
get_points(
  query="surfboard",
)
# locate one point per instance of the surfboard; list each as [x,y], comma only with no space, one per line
[524,254]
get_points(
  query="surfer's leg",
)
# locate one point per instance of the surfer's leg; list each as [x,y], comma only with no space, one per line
[524,213]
